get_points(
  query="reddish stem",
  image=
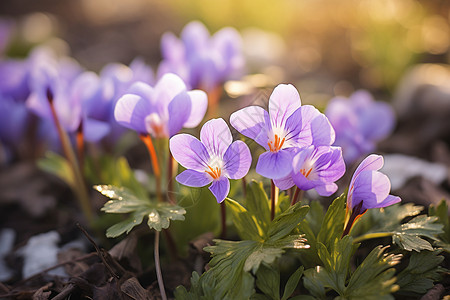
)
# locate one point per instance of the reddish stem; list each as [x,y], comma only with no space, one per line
[298,195]
[154,159]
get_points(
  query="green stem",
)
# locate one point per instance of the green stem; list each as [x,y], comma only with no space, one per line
[369,236]
[80,187]
[158,268]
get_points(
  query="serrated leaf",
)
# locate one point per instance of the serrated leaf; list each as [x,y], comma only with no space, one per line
[373,279]
[244,222]
[124,200]
[421,273]
[260,255]
[126,225]
[284,223]
[257,204]
[292,283]
[408,236]
[268,281]
[59,166]
[333,222]
[441,211]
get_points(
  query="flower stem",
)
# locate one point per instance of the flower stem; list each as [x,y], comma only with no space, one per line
[298,196]
[154,159]
[80,146]
[274,199]
[170,172]
[369,236]
[80,187]
[223,214]
[158,268]
[244,187]
[213,101]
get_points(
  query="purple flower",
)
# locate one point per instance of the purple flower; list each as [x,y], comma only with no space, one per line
[370,188]
[215,158]
[163,110]
[315,168]
[13,121]
[203,61]
[286,126]
[359,123]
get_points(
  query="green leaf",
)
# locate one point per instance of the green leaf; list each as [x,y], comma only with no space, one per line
[292,283]
[262,254]
[245,223]
[59,166]
[227,268]
[408,236]
[333,222]
[422,271]
[441,211]
[268,281]
[373,279]
[257,204]
[124,200]
[284,223]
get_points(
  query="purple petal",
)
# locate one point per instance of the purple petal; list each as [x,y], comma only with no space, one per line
[131,111]
[284,183]
[372,187]
[193,178]
[388,201]
[141,71]
[372,162]
[282,103]
[275,165]
[167,88]
[199,104]
[95,130]
[195,37]
[377,121]
[220,188]
[189,152]
[322,131]
[179,110]
[143,90]
[251,122]
[298,132]
[237,160]
[326,189]
[172,48]
[216,136]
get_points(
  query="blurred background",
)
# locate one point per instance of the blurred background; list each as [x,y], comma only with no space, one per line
[329,47]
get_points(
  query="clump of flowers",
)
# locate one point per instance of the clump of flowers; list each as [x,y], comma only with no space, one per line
[360,122]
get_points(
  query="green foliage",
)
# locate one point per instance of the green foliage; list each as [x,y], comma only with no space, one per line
[124,200]
[441,211]
[232,261]
[408,236]
[422,271]
[59,166]
[373,279]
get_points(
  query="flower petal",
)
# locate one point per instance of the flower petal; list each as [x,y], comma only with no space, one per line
[220,188]
[282,103]
[216,136]
[131,111]
[189,152]
[167,88]
[193,178]
[237,160]
[372,187]
[326,189]
[275,165]
[95,130]
[199,104]
[372,162]
[252,122]
[143,90]
[322,132]
[179,110]
[284,183]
